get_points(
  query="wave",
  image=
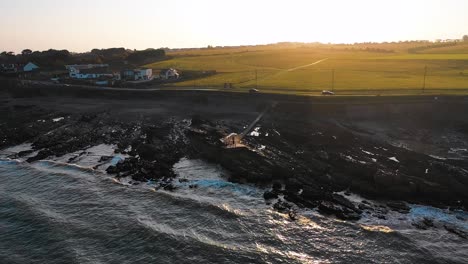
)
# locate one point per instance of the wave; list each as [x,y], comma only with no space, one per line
[223,184]
[457,218]
[202,204]
[7,161]
[51,165]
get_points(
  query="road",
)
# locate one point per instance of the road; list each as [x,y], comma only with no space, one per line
[429,94]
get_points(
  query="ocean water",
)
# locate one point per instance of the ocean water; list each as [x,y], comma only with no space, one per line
[53,212]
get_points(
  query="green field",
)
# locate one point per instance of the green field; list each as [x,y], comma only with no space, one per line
[367,68]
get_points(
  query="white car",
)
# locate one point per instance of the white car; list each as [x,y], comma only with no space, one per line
[326,92]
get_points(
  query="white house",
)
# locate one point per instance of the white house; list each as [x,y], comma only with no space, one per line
[143,74]
[138,74]
[10,68]
[169,74]
[82,71]
[30,67]
[94,73]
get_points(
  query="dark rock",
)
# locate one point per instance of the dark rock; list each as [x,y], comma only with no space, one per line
[424,224]
[112,170]
[268,195]
[381,216]
[399,206]
[87,117]
[428,222]
[147,151]
[197,121]
[293,185]
[352,216]
[323,155]
[170,187]
[24,153]
[339,199]
[341,212]
[277,186]
[43,154]
[292,215]
[282,206]
[363,206]
[314,193]
[105,158]
[381,210]
[455,230]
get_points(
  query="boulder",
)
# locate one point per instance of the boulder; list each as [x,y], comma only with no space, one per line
[282,206]
[341,212]
[268,195]
[399,206]
[339,199]
[424,224]
[277,186]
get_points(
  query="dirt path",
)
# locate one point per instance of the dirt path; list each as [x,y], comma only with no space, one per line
[305,66]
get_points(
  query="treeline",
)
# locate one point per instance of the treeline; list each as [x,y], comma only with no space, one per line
[56,59]
[47,59]
[432,46]
[137,57]
[367,49]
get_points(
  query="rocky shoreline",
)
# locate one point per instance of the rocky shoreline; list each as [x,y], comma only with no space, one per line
[307,162]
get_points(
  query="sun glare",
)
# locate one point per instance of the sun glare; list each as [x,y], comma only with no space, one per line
[306,21]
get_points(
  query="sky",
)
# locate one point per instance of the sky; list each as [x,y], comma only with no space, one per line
[82,25]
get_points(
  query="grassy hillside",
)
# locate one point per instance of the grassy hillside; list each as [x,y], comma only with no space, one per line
[304,68]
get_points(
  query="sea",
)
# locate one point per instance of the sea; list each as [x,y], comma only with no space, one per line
[54,211]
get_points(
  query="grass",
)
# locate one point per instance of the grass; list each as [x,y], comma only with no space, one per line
[287,69]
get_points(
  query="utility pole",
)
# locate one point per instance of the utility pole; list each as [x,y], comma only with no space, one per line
[425,75]
[256,79]
[333,79]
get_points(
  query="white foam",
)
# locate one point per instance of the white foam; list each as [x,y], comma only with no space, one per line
[455,150]
[255,133]
[368,153]
[90,157]
[15,149]
[437,157]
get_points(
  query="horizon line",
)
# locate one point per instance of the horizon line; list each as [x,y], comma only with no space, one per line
[448,40]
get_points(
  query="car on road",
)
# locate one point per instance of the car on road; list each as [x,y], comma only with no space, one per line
[326,92]
[253,91]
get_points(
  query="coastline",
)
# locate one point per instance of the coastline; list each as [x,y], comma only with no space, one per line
[313,151]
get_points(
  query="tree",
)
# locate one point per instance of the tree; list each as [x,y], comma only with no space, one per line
[26,52]
[465,38]
[146,56]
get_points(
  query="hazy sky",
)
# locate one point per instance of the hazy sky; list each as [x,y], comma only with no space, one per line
[82,25]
